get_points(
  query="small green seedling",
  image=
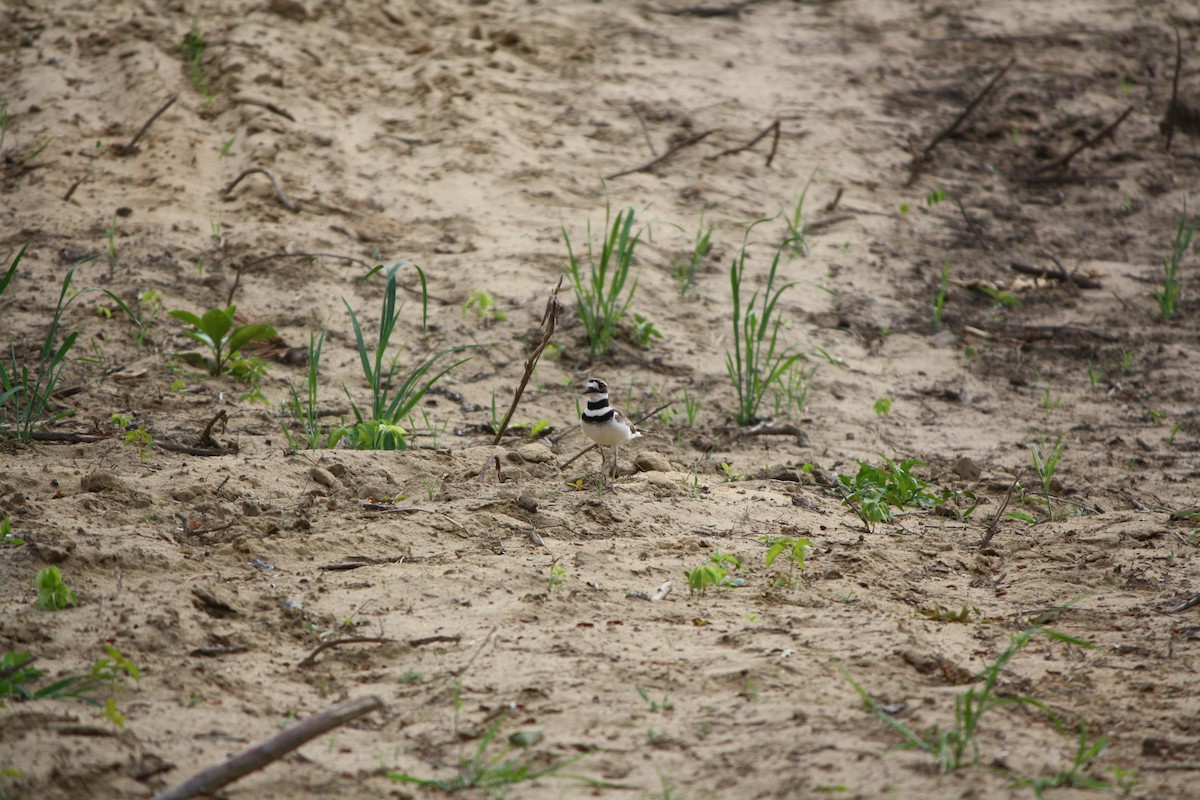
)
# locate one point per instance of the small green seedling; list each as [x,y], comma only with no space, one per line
[691,407]
[685,269]
[18,676]
[795,384]
[794,548]
[303,404]
[53,593]
[485,307]
[6,535]
[654,707]
[1045,462]
[939,296]
[137,436]
[1171,293]
[875,490]
[496,774]
[883,406]
[217,331]
[643,330]
[731,475]
[557,578]
[193,48]
[1087,752]
[797,229]
[24,392]
[714,572]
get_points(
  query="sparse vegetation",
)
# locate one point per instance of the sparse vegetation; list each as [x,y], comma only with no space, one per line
[379,428]
[685,268]
[7,539]
[797,231]
[790,546]
[958,745]
[757,362]
[193,48]
[53,592]
[939,296]
[304,408]
[714,573]
[26,387]
[224,338]
[495,774]
[484,306]
[654,706]
[1045,462]
[601,293]
[556,579]
[1171,293]
[18,676]
[875,490]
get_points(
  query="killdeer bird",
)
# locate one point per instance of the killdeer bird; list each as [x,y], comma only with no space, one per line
[602,423]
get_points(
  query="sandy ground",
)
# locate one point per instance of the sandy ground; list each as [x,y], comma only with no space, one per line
[464,136]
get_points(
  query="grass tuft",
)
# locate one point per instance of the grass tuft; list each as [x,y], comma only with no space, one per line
[25,388]
[1171,293]
[379,428]
[756,362]
[600,291]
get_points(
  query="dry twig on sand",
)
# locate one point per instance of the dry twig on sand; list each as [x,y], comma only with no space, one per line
[1063,162]
[131,148]
[283,201]
[275,748]
[688,142]
[549,322]
[994,525]
[774,127]
[921,158]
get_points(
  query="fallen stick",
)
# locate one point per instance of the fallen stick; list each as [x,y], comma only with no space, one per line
[206,439]
[731,10]
[1065,276]
[458,672]
[1185,605]
[772,128]
[71,191]
[195,451]
[549,322]
[275,748]
[288,204]
[131,148]
[994,525]
[1037,272]
[971,225]
[920,159]
[1061,163]
[688,142]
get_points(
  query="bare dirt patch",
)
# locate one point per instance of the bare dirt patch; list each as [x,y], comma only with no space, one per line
[463,136]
